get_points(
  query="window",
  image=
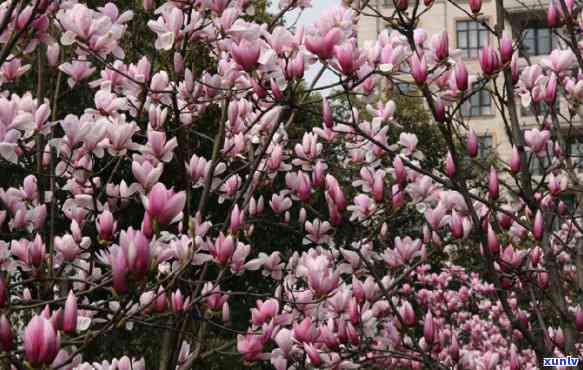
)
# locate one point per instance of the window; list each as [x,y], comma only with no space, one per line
[538,109]
[537,39]
[485,146]
[471,37]
[575,151]
[479,104]
[406,88]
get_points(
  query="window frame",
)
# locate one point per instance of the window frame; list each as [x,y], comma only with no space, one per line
[485,151]
[577,157]
[471,25]
[537,26]
[468,107]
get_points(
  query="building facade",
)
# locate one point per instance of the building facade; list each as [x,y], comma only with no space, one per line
[525,20]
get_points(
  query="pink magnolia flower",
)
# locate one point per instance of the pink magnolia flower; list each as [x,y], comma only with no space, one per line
[362,208]
[489,60]
[70,313]
[6,335]
[428,328]
[537,140]
[282,40]
[251,346]
[178,303]
[321,277]
[506,50]
[472,144]
[560,61]
[579,318]
[347,56]
[515,163]
[265,310]
[475,6]
[418,69]
[222,249]
[300,183]
[323,46]
[449,165]
[146,174]
[306,331]
[106,226]
[409,142]
[553,17]
[295,68]
[77,71]
[67,247]
[440,45]
[407,314]
[405,250]
[215,298]
[493,186]
[31,253]
[158,147]
[246,54]
[164,205]
[280,203]
[237,219]
[119,134]
[461,76]
[493,243]
[168,27]
[136,250]
[119,271]
[12,69]
[538,227]
[41,342]
[3,292]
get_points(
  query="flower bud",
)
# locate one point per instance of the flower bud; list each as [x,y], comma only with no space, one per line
[493,243]
[489,60]
[41,342]
[429,328]
[3,292]
[327,114]
[506,48]
[579,318]
[418,69]
[461,76]
[70,313]
[538,227]
[407,314]
[440,44]
[449,165]
[439,110]
[553,18]
[493,187]
[401,5]
[475,6]
[6,336]
[472,144]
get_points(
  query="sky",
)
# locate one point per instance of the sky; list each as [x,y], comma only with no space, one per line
[309,16]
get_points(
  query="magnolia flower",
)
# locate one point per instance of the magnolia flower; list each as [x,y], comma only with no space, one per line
[537,140]
[41,341]
[77,71]
[164,205]
[409,143]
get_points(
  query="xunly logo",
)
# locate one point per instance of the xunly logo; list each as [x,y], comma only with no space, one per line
[561,361]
